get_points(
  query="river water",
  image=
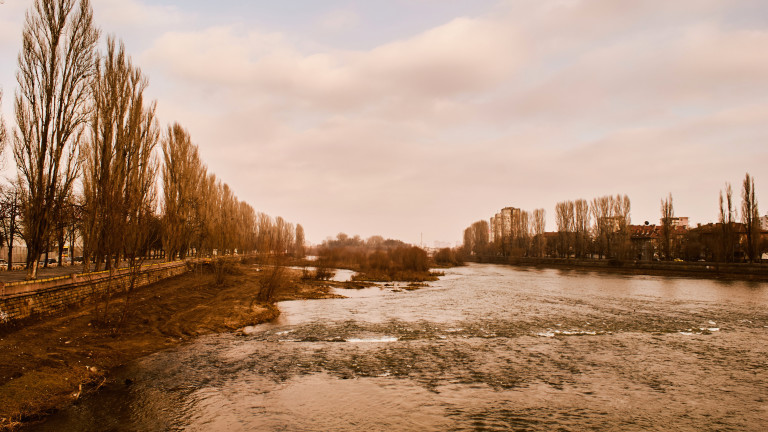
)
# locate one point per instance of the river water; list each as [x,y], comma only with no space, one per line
[485,348]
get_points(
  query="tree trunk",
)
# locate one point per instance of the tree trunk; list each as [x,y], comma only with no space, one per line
[12,234]
[72,247]
[61,248]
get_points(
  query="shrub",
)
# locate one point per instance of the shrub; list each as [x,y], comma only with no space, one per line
[448,257]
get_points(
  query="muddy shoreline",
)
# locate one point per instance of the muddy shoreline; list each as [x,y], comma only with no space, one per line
[49,363]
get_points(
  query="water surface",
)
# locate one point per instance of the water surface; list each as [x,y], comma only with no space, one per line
[486,347]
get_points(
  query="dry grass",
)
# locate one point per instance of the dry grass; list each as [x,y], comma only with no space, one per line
[48,364]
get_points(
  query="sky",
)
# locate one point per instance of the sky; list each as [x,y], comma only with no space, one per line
[412,119]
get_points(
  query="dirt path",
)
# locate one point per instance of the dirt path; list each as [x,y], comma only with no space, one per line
[48,364]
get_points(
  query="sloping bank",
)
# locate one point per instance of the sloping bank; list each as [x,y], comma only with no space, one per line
[40,297]
[708,270]
[49,362]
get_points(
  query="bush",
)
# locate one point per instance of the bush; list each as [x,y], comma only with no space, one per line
[448,257]
[273,281]
[222,267]
[324,269]
[399,262]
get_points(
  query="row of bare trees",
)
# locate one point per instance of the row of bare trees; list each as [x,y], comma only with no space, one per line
[731,238]
[86,143]
[584,229]
[730,231]
[602,229]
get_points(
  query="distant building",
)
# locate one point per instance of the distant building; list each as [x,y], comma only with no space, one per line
[677,222]
[495,228]
[504,227]
[611,224]
[509,218]
[646,240]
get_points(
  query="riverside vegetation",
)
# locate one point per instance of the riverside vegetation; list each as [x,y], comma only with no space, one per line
[378,260]
[48,363]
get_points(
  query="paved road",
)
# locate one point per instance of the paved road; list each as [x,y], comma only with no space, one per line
[52,271]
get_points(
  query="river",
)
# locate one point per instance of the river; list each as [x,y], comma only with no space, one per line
[484,348]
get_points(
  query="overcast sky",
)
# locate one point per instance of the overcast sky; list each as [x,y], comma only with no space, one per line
[403,117]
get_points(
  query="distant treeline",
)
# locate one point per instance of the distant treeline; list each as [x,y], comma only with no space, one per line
[602,229]
[85,144]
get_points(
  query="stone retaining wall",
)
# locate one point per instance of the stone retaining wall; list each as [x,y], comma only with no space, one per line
[27,299]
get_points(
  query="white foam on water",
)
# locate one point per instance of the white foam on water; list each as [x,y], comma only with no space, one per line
[550,333]
[374,340]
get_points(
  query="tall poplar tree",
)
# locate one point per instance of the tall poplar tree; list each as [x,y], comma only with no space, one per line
[56,66]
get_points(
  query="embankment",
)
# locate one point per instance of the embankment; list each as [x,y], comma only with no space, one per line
[22,300]
[708,270]
[47,362]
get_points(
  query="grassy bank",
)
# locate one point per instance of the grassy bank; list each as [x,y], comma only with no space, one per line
[48,363]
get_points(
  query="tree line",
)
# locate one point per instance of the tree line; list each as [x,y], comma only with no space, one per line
[602,229]
[89,151]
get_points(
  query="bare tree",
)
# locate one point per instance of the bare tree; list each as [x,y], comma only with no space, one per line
[120,167]
[300,241]
[750,217]
[524,232]
[182,175]
[667,215]
[481,237]
[264,243]
[9,225]
[539,227]
[283,235]
[9,200]
[469,241]
[601,212]
[620,238]
[55,70]
[727,229]
[581,227]
[564,217]
[3,131]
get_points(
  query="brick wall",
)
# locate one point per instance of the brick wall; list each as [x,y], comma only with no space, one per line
[48,297]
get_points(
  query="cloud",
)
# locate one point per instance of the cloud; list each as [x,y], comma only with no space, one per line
[124,15]
[459,57]
[533,103]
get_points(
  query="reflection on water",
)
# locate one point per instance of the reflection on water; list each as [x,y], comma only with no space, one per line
[486,347]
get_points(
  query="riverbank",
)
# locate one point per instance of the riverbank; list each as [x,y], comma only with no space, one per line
[702,270]
[486,347]
[49,363]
